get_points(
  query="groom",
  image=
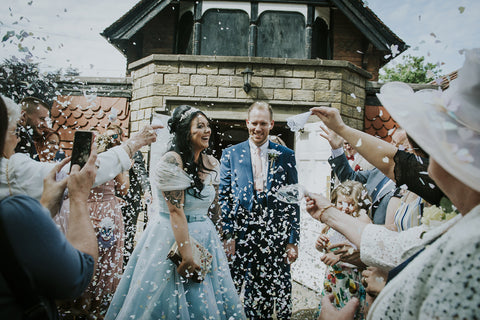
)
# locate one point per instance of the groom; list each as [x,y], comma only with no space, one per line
[261,234]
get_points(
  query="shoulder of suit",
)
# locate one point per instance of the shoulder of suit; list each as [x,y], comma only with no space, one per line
[281,148]
[238,145]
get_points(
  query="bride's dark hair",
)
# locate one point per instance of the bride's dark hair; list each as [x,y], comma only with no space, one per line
[179,125]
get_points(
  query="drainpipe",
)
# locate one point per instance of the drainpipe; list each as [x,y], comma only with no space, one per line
[309,31]
[252,30]
[197,28]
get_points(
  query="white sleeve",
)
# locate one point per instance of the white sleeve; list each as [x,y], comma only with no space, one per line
[384,248]
[25,175]
[111,163]
[337,152]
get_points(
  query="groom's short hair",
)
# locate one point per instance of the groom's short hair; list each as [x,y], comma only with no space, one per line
[261,105]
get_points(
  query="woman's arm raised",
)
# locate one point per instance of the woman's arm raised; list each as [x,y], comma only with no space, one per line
[376,151]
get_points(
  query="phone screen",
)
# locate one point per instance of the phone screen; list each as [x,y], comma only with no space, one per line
[82,145]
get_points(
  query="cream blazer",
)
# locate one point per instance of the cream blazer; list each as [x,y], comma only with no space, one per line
[25,175]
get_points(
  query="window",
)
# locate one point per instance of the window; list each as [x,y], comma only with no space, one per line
[224,33]
[281,35]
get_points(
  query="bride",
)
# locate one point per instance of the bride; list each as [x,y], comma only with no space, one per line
[152,286]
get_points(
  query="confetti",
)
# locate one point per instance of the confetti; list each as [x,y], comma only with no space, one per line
[359,143]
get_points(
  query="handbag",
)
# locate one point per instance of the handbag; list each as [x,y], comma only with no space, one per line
[201,256]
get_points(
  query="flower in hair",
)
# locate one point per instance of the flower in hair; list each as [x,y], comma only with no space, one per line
[187,113]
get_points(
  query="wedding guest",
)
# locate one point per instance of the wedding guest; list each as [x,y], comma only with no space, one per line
[20,175]
[153,287]
[39,264]
[342,279]
[447,126]
[106,214]
[32,121]
[48,146]
[356,161]
[404,168]
[380,187]
[261,233]
[137,194]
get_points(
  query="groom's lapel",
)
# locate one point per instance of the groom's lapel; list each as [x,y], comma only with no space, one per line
[246,163]
[271,165]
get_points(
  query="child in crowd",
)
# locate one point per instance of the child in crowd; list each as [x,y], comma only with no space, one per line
[342,279]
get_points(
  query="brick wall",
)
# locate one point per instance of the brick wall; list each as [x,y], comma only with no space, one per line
[350,44]
[215,85]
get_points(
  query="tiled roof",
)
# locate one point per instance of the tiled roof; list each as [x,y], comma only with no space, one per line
[378,122]
[71,113]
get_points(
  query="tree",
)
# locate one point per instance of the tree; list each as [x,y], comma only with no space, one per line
[20,78]
[411,70]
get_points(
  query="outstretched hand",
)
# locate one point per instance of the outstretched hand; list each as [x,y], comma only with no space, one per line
[330,117]
[330,258]
[53,189]
[333,139]
[322,242]
[374,280]
[144,137]
[330,312]
[315,203]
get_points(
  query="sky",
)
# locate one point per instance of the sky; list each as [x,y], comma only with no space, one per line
[69,35]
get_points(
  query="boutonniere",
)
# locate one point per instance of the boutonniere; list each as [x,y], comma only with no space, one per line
[434,216]
[272,156]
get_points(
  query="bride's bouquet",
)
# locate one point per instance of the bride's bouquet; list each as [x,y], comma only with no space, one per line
[201,256]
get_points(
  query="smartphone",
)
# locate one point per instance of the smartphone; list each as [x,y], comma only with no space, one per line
[82,146]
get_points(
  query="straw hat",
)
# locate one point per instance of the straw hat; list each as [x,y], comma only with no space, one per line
[445,124]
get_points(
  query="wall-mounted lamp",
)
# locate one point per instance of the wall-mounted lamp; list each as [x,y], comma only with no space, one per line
[247,79]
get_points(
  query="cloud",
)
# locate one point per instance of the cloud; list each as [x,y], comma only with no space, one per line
[453,30]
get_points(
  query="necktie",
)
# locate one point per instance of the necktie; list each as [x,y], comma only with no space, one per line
[351,158]
[257,170]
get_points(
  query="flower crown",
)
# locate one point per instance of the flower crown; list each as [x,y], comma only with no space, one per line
[187,113]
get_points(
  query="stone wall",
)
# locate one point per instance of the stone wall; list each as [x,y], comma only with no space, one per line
[215,85]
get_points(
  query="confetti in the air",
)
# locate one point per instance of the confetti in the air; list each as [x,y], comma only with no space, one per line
[359,143]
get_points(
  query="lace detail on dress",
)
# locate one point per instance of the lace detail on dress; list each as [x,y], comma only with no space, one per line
[167,177]
[385,249]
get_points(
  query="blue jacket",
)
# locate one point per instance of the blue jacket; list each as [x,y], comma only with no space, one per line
[370,178]
[236,190]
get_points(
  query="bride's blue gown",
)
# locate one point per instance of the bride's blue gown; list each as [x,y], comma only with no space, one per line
[151,288]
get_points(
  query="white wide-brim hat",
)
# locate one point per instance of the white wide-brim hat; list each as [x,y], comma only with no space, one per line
[445,124]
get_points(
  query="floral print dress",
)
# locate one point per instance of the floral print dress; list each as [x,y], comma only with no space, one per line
[343,280]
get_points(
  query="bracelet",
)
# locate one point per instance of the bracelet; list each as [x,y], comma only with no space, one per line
[323,210]
[130,153]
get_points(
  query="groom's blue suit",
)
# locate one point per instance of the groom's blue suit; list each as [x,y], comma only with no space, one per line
[261,226]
